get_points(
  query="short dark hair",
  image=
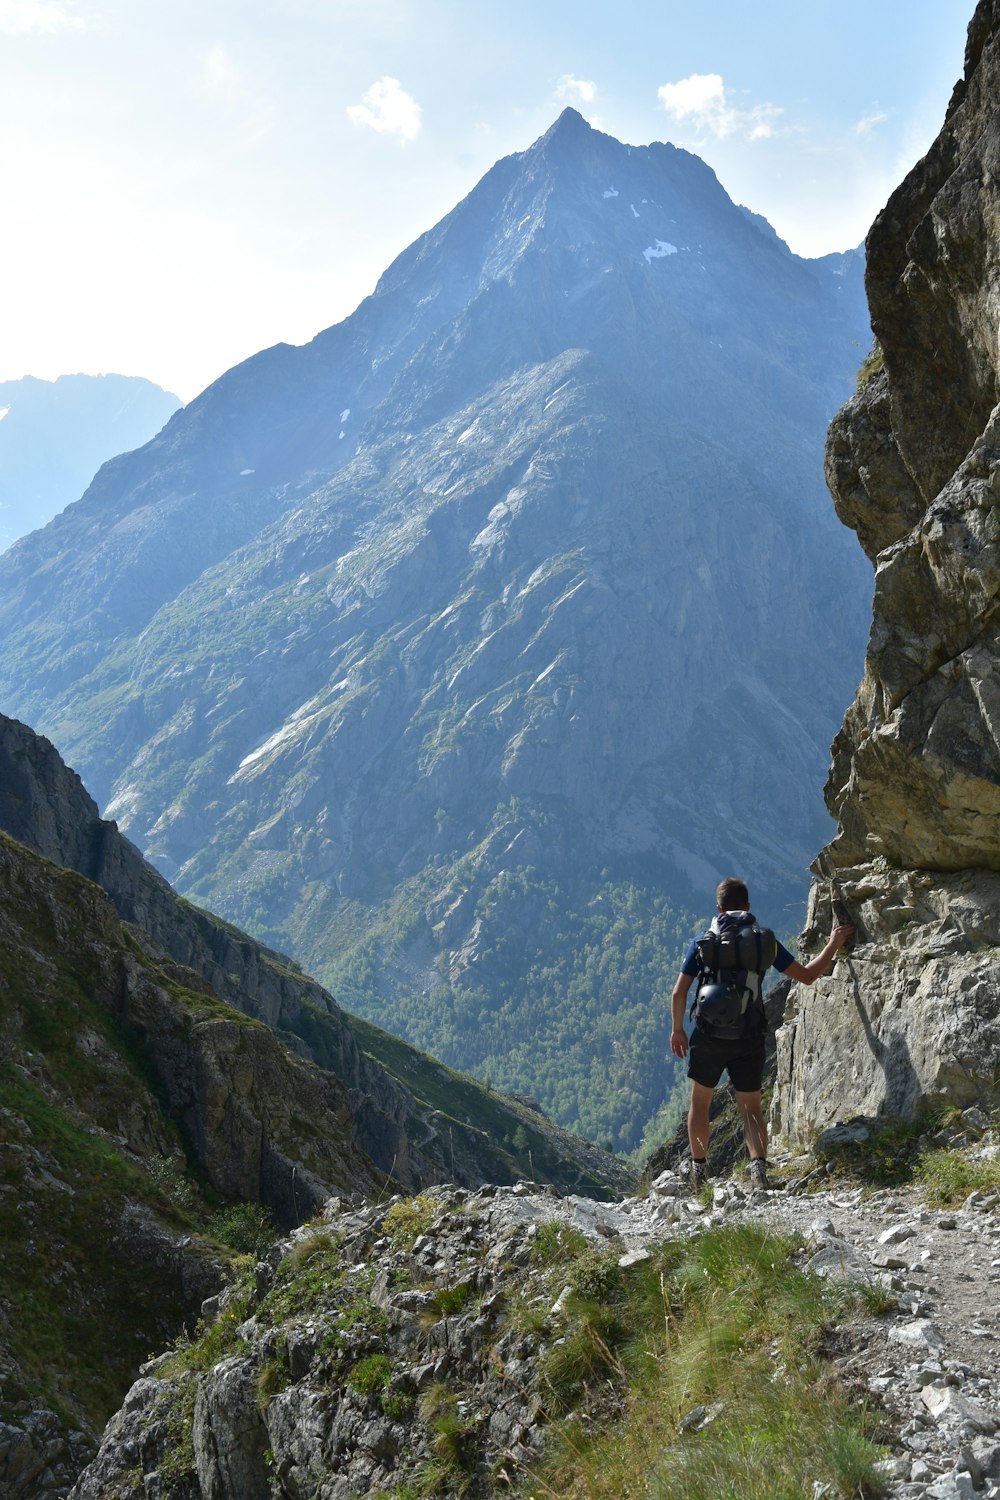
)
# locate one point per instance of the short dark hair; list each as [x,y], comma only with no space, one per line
[732,894]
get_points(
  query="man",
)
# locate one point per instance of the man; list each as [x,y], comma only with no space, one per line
[743,1058]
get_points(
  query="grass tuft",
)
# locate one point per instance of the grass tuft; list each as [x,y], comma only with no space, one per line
[703,1374]
[950,1176]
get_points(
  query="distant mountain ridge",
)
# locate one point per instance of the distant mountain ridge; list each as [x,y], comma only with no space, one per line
[55,434]
[492,626]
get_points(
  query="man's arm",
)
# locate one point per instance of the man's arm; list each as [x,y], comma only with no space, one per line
[678,1002]
[810,972]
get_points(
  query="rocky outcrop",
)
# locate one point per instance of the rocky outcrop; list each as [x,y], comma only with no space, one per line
[382,1347]
[264,1125]
[911,1016]
[45,806]
[131,1090]
[100,1254]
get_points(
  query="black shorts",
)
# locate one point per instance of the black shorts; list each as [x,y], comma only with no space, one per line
[743,1059]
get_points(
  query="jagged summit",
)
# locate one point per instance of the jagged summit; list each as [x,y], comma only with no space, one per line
[570,125]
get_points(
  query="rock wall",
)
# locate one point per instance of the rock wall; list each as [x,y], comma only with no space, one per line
[911,1016]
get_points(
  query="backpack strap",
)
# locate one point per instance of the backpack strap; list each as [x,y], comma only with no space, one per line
[708,958]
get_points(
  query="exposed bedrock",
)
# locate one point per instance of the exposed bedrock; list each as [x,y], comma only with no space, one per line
[911,1016]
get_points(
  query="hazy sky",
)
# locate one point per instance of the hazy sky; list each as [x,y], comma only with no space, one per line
[185,182]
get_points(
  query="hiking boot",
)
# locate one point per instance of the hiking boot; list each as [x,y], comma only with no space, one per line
[758,1176]
[699,1174]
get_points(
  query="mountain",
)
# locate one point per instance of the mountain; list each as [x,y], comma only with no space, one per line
[910,1020]
[462,650]
[55,434]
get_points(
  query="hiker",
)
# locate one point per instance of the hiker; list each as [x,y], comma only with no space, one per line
[730,1025]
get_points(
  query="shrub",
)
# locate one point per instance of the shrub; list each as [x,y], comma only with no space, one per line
[371,1375]
[245,1227]
[950,1176]
[405,1221]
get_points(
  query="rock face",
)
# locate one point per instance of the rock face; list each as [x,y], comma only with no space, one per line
[402,648]
[912,1015]
[55,434]
[263,1124]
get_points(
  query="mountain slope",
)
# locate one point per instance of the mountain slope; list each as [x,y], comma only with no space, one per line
[55,434]
[512,603]
[388,1110]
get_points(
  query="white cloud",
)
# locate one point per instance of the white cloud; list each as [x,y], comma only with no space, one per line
[389,109]
[863,127]
[701,94]
[219,77]
[38,17]
[575,90]
[703,100]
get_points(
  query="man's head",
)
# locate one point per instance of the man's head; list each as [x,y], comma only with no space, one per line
[732,894]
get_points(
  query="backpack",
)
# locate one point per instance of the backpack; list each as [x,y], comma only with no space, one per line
[734,955]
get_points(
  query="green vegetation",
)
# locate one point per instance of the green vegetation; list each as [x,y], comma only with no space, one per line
[575,1010]
[446,1301]
[888,1158]
[949,1176]
[405,1220]
[371,1375]
[556,1242]
[901,1151]
[872,365]
[703,1370]
[451,1472]
[218,1339]
[247,1228]
[309,1276]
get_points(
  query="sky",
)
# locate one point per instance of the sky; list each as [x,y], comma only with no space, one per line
[185,182]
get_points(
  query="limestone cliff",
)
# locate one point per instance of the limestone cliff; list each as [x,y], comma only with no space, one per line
[912,1014]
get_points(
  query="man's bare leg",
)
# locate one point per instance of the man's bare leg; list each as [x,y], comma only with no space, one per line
[701,1103]
[754,1128]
